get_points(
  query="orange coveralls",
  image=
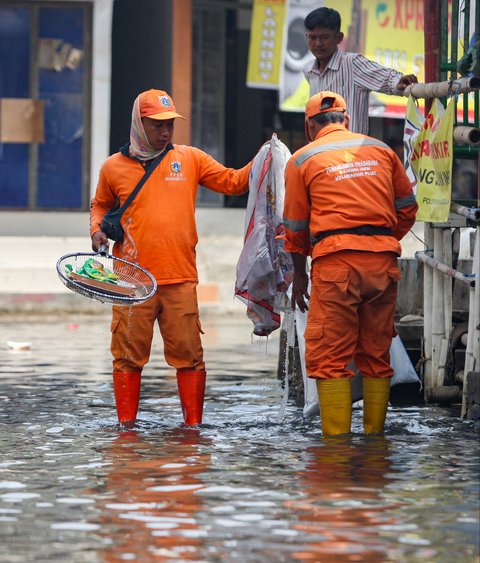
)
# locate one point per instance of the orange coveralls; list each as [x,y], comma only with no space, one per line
[161,236]
[345,180]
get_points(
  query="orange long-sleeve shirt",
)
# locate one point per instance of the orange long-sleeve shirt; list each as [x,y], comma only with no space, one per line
[344,180]
[159,224]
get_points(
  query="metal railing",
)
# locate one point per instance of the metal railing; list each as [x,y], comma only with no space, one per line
[452,42]
[439,256]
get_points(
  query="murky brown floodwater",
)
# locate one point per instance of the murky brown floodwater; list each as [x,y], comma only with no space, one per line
[255,483]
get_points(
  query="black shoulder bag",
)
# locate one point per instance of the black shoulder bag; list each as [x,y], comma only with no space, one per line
[111,224]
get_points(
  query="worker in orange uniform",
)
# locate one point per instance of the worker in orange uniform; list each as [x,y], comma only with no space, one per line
[348,203]
[160,236]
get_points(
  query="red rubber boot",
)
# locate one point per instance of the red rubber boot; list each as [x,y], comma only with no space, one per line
[126,386]
[191,388]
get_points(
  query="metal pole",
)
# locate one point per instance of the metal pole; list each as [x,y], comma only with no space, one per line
[469,279]
[427,314]
[472,360]
[431,9]
[472,213]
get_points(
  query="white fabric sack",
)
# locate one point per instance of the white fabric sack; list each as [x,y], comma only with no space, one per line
[264,269]
[403,370]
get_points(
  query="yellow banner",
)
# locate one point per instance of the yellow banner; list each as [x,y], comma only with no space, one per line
[265,55]
[431,161]
[394,38]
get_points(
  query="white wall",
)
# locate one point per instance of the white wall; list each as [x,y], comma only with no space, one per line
[102,56]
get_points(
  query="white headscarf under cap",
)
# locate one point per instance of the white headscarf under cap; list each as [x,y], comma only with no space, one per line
[139,146]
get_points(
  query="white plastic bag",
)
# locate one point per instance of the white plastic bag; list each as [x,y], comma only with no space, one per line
[404,372]
[264,268]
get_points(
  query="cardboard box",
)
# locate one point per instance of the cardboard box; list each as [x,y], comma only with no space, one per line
[21,120]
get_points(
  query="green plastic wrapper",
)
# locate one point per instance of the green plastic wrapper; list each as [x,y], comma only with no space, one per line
[94,270]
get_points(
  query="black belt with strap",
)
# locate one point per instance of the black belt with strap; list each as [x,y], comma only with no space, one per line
[363,230]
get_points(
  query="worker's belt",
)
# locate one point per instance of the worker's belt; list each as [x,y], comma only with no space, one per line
[363,230]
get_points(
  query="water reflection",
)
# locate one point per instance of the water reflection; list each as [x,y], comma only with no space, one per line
[343,482]
[248,485]
[150,507]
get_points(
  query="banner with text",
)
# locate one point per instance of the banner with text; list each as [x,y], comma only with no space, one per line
[430,154]
[265,54]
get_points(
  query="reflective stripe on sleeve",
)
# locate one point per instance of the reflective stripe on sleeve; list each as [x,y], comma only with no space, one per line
[348,144]
[405,201]
[296,225]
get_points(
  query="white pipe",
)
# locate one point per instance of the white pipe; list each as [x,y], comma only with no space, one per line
[466,135]
[447,282]
[427,315]
[442,362]
[472,213]
[469,279]
[476,304]
[469,358]
[472,353]
[446,237]
[442,89]
[438,320]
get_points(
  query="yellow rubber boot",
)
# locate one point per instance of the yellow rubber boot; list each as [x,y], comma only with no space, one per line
[335,398]
[376,393]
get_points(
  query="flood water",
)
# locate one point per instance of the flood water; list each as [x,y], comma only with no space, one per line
[255,483]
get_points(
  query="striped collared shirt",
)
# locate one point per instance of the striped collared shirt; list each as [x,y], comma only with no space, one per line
[353,76]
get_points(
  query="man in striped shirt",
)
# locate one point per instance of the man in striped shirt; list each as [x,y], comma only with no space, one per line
[349,74]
